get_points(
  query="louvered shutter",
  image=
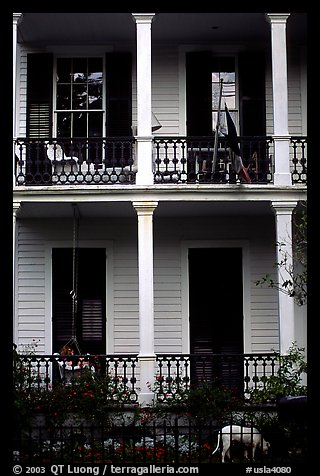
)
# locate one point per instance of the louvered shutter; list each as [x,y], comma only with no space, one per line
[39,115]
[92,320]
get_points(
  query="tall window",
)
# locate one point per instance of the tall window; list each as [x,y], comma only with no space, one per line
[223,68]
[79,97]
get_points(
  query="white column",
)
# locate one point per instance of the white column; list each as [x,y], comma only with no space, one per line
[16,19]
[144,134]
[16,208]
[146,305]
[282,175]
[283,213]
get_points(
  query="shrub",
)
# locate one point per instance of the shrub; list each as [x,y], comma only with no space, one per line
[205,401]
[286,382]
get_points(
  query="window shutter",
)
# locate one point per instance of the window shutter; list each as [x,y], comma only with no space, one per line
[119,94]
[92,320]
[39,116]
[199,94]
[39,95]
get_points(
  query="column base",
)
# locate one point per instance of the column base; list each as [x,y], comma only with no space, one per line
[282,179]
[145,399]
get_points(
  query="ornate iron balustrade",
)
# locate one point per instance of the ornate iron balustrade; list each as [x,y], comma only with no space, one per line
[74,161]
[190,160]
[184,160]
[44,371]
[237,372]
[174,373]
[298,146]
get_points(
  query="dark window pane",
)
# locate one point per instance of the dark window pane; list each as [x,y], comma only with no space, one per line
[79,124]
[79,96]
[79,70]
[95,96]
[95,124]
[64,124]
[63,70]
[63,96]
[95,69]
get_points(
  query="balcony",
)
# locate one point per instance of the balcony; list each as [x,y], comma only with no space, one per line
[176,160]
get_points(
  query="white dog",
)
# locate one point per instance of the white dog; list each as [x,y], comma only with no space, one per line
[248,436]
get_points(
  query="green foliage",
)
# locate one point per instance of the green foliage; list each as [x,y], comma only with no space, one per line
[201,402]
[286,381]
[206,401]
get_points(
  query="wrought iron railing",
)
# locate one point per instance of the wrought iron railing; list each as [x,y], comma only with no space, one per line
[174,373]
[191,160]
[298,151]
[237,372]
[74,161]
[44,371]
[180,160]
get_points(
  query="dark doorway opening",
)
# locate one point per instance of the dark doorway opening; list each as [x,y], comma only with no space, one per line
[216,315]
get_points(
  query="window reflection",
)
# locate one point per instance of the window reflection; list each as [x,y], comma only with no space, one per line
[79,88]
[223,68]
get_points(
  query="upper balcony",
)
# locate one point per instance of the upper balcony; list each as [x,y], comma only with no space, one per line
[176,160]
[87,85]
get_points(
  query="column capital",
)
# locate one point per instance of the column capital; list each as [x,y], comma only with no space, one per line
[17,18]
[143,17]
[277,17]
[16,208]
[283,208]
[145,208]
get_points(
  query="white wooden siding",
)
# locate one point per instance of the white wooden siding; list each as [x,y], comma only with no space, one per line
[264,300]
[167,298]
[126,298]
[30,286]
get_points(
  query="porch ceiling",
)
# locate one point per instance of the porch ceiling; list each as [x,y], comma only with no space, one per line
[103,28]
[164,209]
